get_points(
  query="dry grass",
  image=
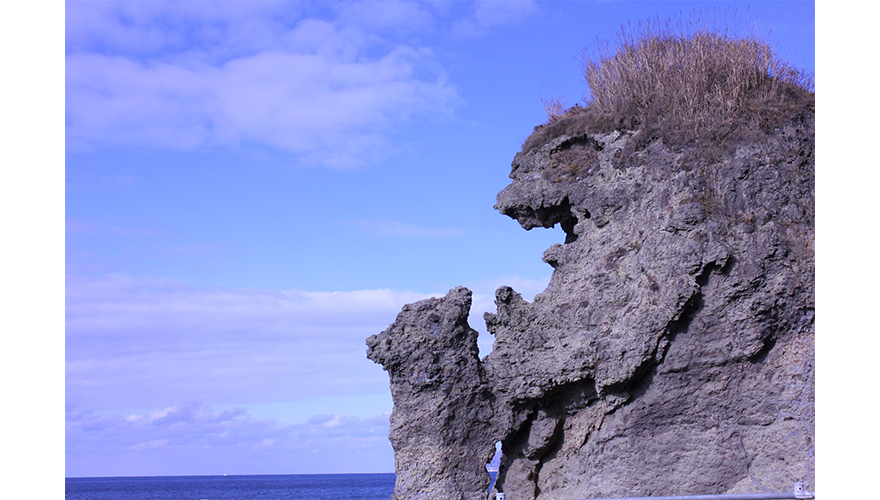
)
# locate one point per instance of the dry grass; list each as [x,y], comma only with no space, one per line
[555,107]
[685,82]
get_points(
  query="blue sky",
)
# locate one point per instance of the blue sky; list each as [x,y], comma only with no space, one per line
[253,188]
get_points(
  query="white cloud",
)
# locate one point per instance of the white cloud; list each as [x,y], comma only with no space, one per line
[148,28]
[330,112]
[330,83]
[193,438]
[149,445]
[140,343]
[490,13]
[297,357]
[137,343]
[167,75]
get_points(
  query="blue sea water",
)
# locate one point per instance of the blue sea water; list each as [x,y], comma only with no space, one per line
[264,487]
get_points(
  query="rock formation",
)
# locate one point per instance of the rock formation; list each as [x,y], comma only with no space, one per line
[671,353]
[440,426]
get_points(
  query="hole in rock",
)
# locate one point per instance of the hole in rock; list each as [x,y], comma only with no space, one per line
[493,465]
[567,224]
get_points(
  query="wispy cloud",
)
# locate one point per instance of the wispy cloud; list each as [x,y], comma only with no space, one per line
[193,438]
[330,112]
[327,82]
[396,228]
[184,76]
[488,14]
[135,343]
[141,343]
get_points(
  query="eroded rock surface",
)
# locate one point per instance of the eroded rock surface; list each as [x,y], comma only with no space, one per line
[672,351]
[441,422]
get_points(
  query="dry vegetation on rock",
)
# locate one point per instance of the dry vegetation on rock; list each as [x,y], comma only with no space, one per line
[685,82]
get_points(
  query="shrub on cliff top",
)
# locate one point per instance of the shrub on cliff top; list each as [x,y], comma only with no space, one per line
[686,85]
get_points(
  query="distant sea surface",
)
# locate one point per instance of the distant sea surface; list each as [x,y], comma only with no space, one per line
[268,487]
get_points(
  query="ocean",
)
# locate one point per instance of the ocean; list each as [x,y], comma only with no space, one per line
[266,487]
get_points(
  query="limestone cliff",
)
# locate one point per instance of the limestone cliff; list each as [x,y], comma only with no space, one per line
[671,353]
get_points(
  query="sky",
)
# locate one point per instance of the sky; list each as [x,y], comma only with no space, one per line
[251,189]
